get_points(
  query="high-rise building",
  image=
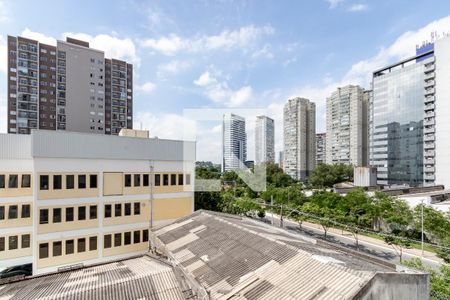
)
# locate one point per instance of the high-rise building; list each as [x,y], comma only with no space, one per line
[321,143]
[409,112]
[347,121]
[264,140]
[74,199]
[281,159]
[67,87]
[299,138]
[234,142]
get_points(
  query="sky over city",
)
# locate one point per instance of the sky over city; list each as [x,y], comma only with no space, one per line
[230,54]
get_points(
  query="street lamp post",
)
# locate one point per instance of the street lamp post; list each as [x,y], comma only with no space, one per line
[422,226]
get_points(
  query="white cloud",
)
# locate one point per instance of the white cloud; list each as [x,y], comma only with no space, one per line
[4,13]
[358,7]
[3,55]
[205,79]
[38,36]
[334,3]
[241,96]
[146,87]
[263,52]
[242,38]
[173,67]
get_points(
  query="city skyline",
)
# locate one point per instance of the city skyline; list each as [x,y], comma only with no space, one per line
[175,62]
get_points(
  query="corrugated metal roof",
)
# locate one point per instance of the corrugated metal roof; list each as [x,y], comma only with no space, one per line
[15,146]
[138,278]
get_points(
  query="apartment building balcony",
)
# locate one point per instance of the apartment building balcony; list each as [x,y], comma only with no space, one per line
[428,176]
[430,75]
[429,91]
[429,122]
[429,153]
[429,99]
[429,68]
[429,129]
[429,169]
[430,106]
[430,114]
[429,138]
[429,162]
[429,83]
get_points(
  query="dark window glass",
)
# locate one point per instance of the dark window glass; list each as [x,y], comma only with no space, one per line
[57,215]
[137,208]
[107,241]
[43,182]
[180,179]
[127,238]
[13,182]
[69,214]
[2,243]
[70,247]
[117,210]
[157,179]
[92,243]
[145,180]
[127,209]
[165,179]
[173,179]
[26,210]
[93,212]
[137,237]
[93,181]
[70,182]
[2,181]
[43,216]
[137,179]
[57,248]
[81,245]
[2,212]
[107,210]
[117,239]
[13,242]
[127,180]
[81,181]
[26,181]
[145,235]
[57,182]
[43,250]
[81,213]
[13,212]
[25,241]
[188,179]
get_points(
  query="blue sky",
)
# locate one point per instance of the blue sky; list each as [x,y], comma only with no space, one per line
[230,54]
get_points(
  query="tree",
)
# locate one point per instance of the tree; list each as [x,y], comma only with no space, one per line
[323,215]
[444,249]
[326,175]
[208,200]
[435,223]
[398,243]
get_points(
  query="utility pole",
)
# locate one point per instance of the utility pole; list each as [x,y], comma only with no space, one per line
[281,216]
[271,207]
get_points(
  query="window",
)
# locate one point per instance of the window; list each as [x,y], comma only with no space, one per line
[57,182]
[127,209]
[173,179]
[57,248]
[26,181]
[43,216]
[81,213]
[13,212]
[13,242]
[43,182]
[127,238]
[157,179]
[137,237]
[43,250]
[93,181]
[2,212]
[57,215]
[145,180]
[137,179]
[145,235]
[81,181]
[81,245]
[107,241]
[70,247]
[2,181]
[26,208]
[93,212]
[180,179]
[117,239]
[165,179]
[2,243]
[92,243]
[69,214]
[13,181]
[70,182]
[117,210]
[188,179]
[137,208]
[25,241]
[127,180]
[107,210]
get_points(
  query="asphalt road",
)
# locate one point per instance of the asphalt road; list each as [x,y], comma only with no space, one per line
[380,251]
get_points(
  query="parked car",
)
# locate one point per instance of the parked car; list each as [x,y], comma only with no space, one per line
[20,270]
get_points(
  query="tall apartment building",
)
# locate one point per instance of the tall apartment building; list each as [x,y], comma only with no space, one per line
[71,199]
[234,142]
[347,123]
[67,87]
[264,140]
[299,138]
[321,144]
[409,129]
